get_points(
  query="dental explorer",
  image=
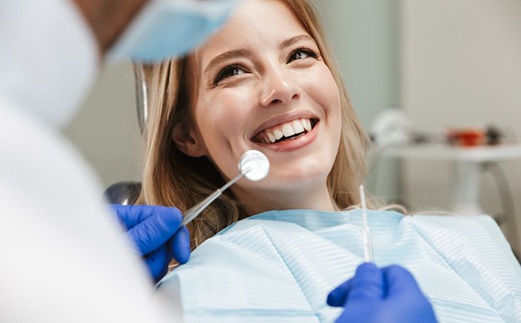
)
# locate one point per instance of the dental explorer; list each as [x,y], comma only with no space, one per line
[366,233]
[253,165]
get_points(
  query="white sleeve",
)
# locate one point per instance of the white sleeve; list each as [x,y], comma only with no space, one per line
[63,257]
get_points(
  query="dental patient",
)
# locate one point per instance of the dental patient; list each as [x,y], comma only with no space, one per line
[272,250]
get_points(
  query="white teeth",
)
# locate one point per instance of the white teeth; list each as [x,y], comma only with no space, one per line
[306,124]
[271,137]
[297,126]
[287,130]
[278,134]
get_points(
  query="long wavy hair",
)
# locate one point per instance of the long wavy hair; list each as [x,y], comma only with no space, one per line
[172,178]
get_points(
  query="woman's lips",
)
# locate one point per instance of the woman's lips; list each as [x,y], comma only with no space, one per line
[291,139]
[285,131]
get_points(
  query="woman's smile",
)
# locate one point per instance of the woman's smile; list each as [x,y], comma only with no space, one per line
[287,132]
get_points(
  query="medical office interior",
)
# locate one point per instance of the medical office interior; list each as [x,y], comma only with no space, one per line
[417,72]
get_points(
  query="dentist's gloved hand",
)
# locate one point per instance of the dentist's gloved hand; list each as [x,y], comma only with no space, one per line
[375,295]
[157,234]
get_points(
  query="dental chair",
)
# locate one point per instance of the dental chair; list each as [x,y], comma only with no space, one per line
[127,192]
[123,193]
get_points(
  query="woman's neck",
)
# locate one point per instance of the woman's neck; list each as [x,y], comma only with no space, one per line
[317,199]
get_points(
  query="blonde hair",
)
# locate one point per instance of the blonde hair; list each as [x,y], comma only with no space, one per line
[172,178]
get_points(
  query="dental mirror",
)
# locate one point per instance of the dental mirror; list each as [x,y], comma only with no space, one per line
[253,165]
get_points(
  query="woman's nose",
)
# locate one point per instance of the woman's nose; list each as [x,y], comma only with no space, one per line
[278,88]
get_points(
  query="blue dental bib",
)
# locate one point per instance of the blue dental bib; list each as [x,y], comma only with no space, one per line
[279,266]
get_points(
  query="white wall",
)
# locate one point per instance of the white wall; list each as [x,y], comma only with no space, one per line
[461,66]
[364,35]
[106,130]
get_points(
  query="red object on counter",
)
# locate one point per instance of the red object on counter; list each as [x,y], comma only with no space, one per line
[467,137]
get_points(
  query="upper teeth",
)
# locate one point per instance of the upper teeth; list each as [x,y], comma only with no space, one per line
[287,129]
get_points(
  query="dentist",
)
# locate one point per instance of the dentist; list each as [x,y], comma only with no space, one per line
[63,256]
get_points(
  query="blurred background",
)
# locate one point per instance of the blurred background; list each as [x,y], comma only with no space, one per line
[441,63]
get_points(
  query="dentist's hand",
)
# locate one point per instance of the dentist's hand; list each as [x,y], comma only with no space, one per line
[375,295]
[157,234]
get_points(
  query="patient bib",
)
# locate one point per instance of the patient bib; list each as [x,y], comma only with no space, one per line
[279,266]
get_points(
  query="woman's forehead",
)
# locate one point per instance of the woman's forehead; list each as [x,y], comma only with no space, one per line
[254,24]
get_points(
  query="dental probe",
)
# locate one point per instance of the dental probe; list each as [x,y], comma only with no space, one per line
[254,165]
[366,233]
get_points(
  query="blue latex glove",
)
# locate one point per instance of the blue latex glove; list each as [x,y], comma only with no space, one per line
[157,233]
[375,295]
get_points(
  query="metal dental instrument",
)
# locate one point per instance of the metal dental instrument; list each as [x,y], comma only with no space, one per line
[366,233]
[253,165]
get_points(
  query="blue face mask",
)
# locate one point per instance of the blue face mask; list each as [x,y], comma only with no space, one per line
[167,28]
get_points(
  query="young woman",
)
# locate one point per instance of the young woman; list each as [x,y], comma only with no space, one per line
[209,108]
[267,81]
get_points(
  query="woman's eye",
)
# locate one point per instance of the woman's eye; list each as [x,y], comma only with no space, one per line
[302,53]
[228,71]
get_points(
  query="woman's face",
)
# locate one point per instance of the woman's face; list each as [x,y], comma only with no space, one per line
[261,84]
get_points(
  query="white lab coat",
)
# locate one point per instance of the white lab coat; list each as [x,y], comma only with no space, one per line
[63,256]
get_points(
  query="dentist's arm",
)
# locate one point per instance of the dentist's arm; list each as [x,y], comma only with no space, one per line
[375,295]
[157,234]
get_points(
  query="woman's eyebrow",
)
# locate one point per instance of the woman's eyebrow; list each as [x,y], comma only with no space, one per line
[290,41]
[224,57]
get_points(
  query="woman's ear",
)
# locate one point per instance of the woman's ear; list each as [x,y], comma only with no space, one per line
[186,142]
